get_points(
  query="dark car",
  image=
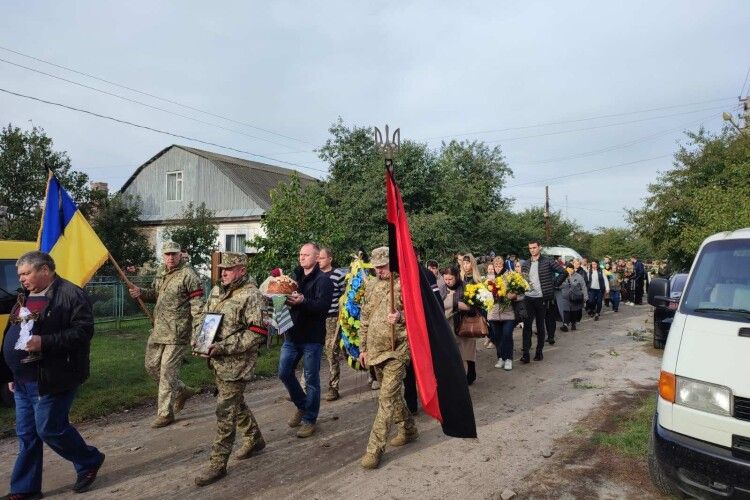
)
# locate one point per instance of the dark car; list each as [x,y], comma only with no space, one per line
[664,294]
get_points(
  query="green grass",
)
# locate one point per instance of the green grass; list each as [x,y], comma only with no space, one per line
[118,380]
[631,434]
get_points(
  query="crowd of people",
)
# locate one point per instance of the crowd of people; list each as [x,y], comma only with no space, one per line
[46,372]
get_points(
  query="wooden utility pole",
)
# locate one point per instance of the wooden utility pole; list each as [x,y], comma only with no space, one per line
[547,228]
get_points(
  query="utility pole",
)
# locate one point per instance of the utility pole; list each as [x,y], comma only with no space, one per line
[547,228]
[745,116]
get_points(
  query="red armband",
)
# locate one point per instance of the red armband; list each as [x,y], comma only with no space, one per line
[197,293]
[258,329]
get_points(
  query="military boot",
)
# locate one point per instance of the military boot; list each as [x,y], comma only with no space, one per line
[162,421]
[404,437]
[296,418]
[332,394]
[210,475]
[179,401]
[306,430]
[370,461]
[249,449]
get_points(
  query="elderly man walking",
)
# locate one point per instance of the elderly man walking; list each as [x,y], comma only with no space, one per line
[383,345]
[232,357]
[59,318]
[178,293]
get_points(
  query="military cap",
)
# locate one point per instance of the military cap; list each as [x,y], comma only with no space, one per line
[232,259]
[379,257]
[170,247]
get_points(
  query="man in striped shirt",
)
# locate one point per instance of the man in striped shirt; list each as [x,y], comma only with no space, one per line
[332,347]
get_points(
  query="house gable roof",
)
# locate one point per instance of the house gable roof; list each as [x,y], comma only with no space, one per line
[255,179]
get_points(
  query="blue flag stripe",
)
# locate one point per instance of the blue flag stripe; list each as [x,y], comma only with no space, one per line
[58,211]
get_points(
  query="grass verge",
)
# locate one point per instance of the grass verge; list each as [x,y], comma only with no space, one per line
[118,380]
[630,436]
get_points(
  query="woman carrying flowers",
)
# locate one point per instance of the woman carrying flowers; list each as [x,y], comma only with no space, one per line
[455,309]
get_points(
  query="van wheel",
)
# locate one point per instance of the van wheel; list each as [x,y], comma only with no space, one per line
[658,477]
[6,397]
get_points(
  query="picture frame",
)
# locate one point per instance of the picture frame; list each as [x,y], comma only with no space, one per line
[211,323]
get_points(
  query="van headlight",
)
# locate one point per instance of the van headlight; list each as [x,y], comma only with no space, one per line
[703,396]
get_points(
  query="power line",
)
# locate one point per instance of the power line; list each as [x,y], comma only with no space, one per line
[176,103]
[573,174]
[742,90]
[142,103]
[145,127]
[562,122]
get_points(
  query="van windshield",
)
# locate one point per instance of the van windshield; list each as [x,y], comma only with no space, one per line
[720,284]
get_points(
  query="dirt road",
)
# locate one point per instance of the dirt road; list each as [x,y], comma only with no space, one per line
[520,415]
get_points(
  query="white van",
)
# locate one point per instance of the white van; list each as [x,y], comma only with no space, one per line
[700,441]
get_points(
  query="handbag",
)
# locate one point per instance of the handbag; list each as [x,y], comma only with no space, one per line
[473,326]
[575,295]
[520,311]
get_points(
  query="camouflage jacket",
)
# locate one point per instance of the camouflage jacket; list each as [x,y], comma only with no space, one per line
[179,304]
[375,331]
[241,331]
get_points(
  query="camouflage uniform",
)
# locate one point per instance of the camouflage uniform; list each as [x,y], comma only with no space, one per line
[388,360]
[178,294]
[333,351]
[233,358]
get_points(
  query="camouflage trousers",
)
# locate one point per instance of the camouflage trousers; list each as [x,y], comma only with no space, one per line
[391,405]
[333,352]
[232,416]
[163,362]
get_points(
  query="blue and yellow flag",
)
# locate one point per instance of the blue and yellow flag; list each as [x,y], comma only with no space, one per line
[67,236]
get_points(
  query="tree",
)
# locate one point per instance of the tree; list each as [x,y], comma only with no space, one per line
[619,243]
[23,179]
[706,191]
[298,214]
[197,234]
[116,221]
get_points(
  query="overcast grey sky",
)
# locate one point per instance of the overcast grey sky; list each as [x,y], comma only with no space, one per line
[494,71]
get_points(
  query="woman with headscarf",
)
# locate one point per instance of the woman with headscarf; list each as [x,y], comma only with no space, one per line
[455,309]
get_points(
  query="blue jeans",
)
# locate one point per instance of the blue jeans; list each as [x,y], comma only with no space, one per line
[44,419]
[614,297]
[595,299]
[501,334]
[308,400]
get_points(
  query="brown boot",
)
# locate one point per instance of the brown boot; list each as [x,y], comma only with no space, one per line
[179,401]
[249,449]
[332,394]
[296,418]
[162,421]
[403,438]
[306,430]
[370,461]
[210,475]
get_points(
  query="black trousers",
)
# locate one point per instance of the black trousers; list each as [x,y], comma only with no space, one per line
[551,319]
[537,308]
[410,388]
[639,289]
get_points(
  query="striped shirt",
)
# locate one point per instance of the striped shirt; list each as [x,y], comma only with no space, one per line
[339,282]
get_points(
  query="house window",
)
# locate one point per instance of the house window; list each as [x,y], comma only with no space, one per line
[174,186]
[235,243]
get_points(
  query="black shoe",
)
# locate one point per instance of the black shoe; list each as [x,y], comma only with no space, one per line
[573,327]
[596,318]
[564,328]
[86,478]
[551,341]
[539,356]
[525,359]
[22,496]
[471,372]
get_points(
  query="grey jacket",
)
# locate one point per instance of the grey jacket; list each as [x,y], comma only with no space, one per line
[574,280]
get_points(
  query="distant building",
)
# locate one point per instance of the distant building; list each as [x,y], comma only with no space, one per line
[237,190]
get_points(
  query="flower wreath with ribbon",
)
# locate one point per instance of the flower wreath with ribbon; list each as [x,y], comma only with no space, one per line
[350,310]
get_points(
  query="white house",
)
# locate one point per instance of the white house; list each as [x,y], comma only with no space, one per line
[237,190]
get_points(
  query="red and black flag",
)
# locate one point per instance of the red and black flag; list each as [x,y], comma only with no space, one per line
[438,368]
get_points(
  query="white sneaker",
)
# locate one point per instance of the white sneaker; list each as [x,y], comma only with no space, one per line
[508,365]
[499,363]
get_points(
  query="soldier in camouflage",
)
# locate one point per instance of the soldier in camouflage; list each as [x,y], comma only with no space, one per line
[232,358]
[384,346]
[178,293]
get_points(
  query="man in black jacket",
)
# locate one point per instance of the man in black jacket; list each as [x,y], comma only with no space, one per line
[540,270]
[309,309]
[46,373]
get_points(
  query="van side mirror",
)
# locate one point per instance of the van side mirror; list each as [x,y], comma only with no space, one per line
[658,291]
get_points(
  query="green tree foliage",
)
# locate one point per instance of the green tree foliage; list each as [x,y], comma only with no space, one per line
[23,180]
[116,221]
[298,214]
[706,192]
[619,243]
[197,234]
[517,229]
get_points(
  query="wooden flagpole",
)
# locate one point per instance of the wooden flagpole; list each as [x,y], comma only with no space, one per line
[129,284]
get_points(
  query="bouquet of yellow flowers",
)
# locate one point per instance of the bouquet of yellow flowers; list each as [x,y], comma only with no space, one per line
[516,283]
[478,295]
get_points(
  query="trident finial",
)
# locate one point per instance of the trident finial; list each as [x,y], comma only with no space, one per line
[390,147]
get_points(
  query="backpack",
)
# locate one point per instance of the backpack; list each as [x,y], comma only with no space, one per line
[575,294]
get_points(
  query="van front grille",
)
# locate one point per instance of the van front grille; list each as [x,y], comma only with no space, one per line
[742,408]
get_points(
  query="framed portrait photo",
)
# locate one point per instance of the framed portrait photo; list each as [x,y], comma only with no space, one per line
[210,326]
